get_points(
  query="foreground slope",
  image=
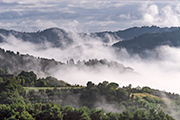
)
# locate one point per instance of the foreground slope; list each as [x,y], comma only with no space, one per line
[120,102]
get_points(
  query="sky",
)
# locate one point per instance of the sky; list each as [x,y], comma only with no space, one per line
[87,16]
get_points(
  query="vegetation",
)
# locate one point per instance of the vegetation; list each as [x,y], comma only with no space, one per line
[49,111]
[29,79]
[16,62]
[129,103]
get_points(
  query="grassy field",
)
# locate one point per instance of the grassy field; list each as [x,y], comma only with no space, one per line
[50,88]
[141,95]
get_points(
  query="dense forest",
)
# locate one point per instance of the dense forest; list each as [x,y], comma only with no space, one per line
[104,101]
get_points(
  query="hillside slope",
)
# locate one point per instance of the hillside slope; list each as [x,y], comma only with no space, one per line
[57,37]
[150,41]
[16,62]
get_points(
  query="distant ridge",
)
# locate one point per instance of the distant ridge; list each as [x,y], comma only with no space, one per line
[135,32]
[56,36]
[61,38]
[135,40]
[150,41]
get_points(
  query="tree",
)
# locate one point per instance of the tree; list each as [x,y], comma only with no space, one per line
[146,90]
[152,114]
[3,71]
[5,111]
[84,116]
[67,112]
[162,115]
[52,112]
[41,83]
[129,90]
[29,77]
[11,92]
[90,84]
[126,115]
[121,94]
[112,116]
[97,114]
[25,116]
[113,86]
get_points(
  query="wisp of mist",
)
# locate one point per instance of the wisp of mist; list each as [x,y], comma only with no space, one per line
[160,70]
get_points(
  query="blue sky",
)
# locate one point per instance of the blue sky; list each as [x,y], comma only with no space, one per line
[87,16]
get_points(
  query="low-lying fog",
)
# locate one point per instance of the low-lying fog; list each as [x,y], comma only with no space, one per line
[160,70]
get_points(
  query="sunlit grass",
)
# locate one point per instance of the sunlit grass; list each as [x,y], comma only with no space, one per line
[50,88]
[142,95]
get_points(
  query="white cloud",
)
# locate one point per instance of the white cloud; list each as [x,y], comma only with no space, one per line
[157,73]
[92,15]
[124,16]
[29,25]
[101,23]
[163,17]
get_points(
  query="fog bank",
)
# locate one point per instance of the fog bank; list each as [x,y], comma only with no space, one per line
[160,70]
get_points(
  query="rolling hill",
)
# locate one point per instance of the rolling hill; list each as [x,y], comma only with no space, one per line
[149,41]
[62,38]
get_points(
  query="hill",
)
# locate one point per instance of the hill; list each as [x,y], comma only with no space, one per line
[57,37]
[130,33]
[110,97]
[149,41]
[14,63]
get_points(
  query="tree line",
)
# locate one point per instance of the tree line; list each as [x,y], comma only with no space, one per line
[39,111]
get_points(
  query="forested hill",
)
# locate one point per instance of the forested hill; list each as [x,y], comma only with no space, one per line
[103,101]
[57,37]
[149,41]
[134,32]
[16,62]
